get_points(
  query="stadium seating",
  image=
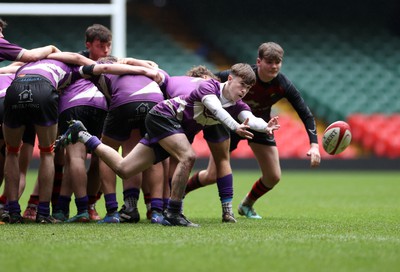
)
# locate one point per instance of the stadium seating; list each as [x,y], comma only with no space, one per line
[334,62]
[342,70]
[377,133]
[342,67]
[143,40]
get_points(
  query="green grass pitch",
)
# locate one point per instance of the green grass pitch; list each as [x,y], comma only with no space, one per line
[312,221]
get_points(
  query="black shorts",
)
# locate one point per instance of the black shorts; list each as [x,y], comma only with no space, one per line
[30,100]
[29,133]
[122,120]
[216,133]
[259,138]
[29,136]
[91,117]
[158,127]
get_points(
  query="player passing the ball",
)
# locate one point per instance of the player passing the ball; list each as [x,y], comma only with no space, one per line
[171,127]
[271,86]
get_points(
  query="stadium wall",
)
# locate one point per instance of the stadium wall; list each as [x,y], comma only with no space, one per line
[370,164]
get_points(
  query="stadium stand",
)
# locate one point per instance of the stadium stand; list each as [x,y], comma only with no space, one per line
[143,40]
[377,133]
[345,66]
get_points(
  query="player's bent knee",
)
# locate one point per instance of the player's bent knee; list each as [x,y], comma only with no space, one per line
[188,159]
[191,157]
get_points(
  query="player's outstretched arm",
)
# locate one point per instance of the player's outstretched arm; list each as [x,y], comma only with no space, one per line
[258,124]
[138,62]
[121,69]
[212,103]
[38,53]
[71,58]
[242,130]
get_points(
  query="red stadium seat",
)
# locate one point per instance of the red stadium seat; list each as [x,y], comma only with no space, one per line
[377,133]
[356,123]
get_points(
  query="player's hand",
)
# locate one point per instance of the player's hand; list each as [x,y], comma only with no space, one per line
[242,131]
[152,63]
[159,78]
[273,124]
[314,154]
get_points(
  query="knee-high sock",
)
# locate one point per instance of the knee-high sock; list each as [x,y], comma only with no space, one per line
[174,206]
[82,204]
[44,208]
[225,188]
[131,197]
[63,204]
[111,203]
[193,183]
[157,204]
[258,190]
[58,175]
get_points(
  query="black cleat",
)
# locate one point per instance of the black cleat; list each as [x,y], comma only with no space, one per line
[177,219]
[129,215]
[15,218]
[71,136]
[228,217]
[4,216]
[41,219]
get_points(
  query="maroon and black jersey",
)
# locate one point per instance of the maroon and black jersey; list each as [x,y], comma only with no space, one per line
[263,95]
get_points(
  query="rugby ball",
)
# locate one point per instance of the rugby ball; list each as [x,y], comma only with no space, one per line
[336,137]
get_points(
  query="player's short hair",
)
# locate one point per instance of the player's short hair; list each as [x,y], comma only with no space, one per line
[200,71]
[245,72]
[3,24]
[98,32]
[270,51]
[108,59]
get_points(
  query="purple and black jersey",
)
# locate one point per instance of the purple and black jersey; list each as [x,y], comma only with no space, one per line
[125,89]
[32,97]
[181,85]
[9,51]
[190,111]
[58,73]
[184,85]
[82,93]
